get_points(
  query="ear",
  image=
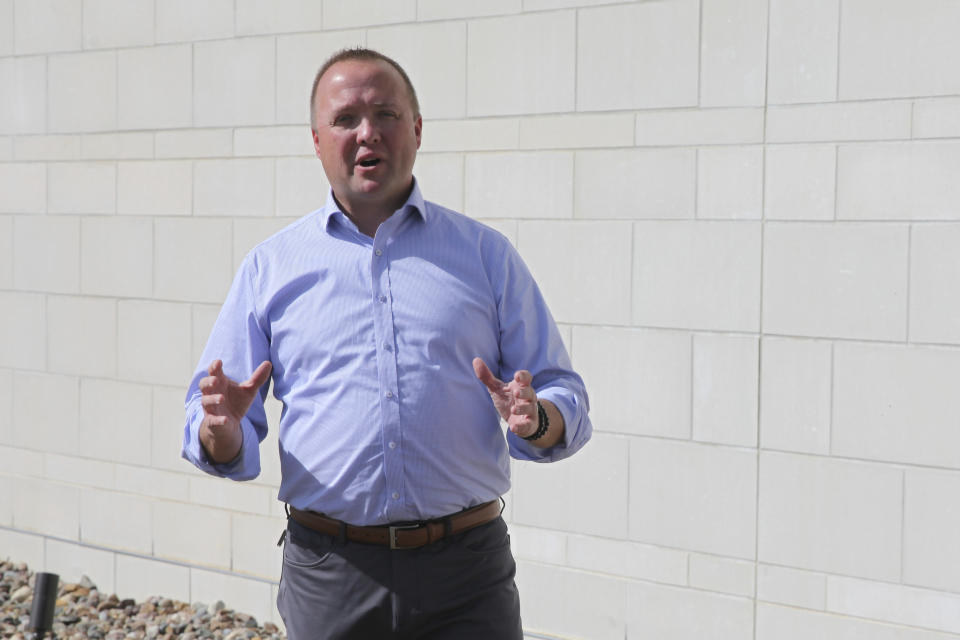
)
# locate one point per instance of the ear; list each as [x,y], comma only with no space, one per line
[417,129]
[316,142]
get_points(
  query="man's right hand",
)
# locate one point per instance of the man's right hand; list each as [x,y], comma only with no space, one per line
[225,402]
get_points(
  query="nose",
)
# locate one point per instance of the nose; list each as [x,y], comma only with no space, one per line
[367,132]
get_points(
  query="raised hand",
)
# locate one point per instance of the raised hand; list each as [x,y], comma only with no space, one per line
[225,402]
[516,401]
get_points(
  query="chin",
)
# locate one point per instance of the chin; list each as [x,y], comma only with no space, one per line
[370,187]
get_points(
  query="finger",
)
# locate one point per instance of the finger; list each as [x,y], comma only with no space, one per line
[214,381]
[523,378]
[214,421]
[213,404]
[260,375]
[211,384]
[524,394]
[524,408]
[522,425]
[216,368]
[486,376]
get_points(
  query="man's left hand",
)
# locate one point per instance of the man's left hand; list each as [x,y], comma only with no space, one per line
[516,402]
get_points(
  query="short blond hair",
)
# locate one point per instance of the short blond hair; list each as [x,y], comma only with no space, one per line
[362,53]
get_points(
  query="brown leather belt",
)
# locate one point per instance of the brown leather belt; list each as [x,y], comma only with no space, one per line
[401,536]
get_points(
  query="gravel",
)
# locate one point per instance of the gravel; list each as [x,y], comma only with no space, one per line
[83,612]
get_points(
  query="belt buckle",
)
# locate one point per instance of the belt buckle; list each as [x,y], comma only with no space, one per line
[392,529]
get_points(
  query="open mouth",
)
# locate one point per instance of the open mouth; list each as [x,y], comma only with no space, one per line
[369,162]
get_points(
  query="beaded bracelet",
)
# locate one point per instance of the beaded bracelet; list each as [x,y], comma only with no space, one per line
[543,423]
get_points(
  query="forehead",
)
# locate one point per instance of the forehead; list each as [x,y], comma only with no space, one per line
[350,81]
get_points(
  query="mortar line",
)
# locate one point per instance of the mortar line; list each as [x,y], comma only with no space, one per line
[903,522]
[836,180]
[700,53]
[46,73]
[466,69]
[836,90]
[116,355]
[153,257]
[759,404]
[696,183]
[576,59]
[693,385]
[913,106]
[632,270]
[906,337]
[46,332]
[833,382]
[193,85]
[116,95]
[153,30]
[131,554]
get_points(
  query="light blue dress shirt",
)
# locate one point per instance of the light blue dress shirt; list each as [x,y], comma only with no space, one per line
[372,342]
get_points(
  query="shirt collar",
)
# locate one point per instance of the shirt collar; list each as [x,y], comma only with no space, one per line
[414,203]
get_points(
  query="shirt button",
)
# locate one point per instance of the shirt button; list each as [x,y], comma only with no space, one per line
[386,345]
[378,252]
[395,495]
[392,445]
[389,394]
[382,298]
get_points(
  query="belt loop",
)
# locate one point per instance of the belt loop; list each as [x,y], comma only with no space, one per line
[447,527]
[343,532]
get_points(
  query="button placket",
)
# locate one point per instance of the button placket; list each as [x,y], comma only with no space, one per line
[387,374]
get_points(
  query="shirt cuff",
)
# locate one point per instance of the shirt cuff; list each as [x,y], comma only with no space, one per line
[244,466]
[525,450]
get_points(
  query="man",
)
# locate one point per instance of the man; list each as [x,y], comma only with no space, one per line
[379,318]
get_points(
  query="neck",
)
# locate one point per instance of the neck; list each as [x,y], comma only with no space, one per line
[368,216]
[367,219]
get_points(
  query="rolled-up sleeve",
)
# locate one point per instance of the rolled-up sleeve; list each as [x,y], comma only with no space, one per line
[239,340]
[529,339]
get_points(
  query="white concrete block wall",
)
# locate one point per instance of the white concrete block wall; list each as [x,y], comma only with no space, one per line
[693,496]
[655,399]
[24,103]
[83,92]
[743,214]
[835,516]
[154,87]
[802,59]
[800,182]
[521,64]
[725,389]
[519,185]
[6,27]
[716,262]
[660,41]
[234,82]
[632,183]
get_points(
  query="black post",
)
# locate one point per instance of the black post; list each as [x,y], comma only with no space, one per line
[44,602]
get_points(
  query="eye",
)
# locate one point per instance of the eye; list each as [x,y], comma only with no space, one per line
[387,113]
[343,120]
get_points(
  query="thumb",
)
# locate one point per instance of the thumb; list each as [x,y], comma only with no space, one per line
[485,376]
[260,375]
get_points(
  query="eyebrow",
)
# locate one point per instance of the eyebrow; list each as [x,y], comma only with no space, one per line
[350,105]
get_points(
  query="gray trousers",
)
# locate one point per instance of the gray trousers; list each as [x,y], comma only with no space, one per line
[460,587]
